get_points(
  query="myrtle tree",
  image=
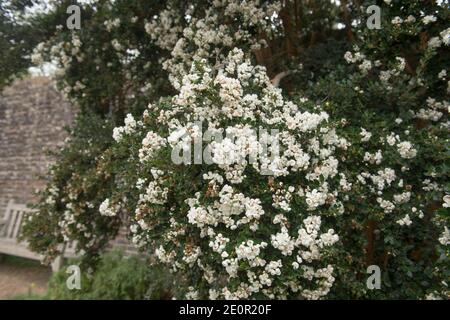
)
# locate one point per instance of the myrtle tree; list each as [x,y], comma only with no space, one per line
[360,115]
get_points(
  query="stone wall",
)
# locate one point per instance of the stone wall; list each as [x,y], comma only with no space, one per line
[122,243]
[33,115]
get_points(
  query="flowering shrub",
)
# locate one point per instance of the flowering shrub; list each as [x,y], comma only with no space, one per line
[395,102]
[349,167]
[237,230]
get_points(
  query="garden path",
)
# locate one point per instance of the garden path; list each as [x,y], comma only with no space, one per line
[22,279]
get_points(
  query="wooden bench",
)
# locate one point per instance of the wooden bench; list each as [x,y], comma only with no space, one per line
[10,228]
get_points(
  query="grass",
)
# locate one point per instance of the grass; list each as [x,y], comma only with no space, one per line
[22,263]
[18,261]
[28,296]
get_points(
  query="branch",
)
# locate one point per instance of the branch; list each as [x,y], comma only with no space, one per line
[276,80]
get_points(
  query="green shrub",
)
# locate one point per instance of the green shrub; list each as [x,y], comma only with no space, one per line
[116,277]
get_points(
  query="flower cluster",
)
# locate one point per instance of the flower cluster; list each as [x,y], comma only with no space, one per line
[210,36]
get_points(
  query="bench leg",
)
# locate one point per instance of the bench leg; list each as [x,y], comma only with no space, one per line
[57,264]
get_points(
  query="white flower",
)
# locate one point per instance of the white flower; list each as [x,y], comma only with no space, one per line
[375,158]
[446,200]
[274,267]
[151,143]
[128,128]
[315,198]
[444,239]
[349,57]
[428,19]
[219,243]
[192,294]
[397,21]
[385,76]
[433,296]
[386,205]
[329,238]
[283,242]
[402,198]
[401,63]
[445,35]
[411,19]
[406,150]
[249,250]
[365,66]
[154,194]
[405,221]
[365,135]
[110,24]
[434,42]
[116,45]
[105,209]
[392,139]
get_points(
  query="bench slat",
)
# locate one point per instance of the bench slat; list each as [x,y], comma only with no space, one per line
[13,218]
[17,228]
[12,248]
[11,223]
